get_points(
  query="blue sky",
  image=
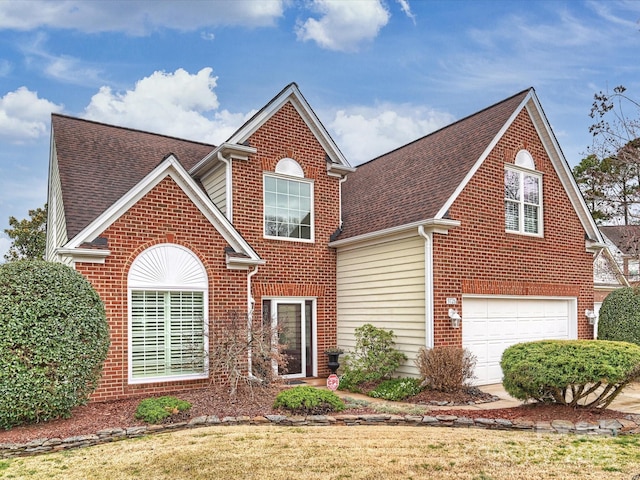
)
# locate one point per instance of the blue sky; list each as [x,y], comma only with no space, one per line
[379,73]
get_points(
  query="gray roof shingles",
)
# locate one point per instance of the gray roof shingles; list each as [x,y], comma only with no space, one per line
[100,163]
[413,182]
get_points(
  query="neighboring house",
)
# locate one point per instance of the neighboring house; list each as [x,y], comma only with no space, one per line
[480,220]
[175,234]
[624,243]
[607,277]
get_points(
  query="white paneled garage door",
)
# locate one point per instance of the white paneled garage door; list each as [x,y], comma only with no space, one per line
[491,324]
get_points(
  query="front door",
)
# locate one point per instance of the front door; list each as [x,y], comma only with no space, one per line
[294,322]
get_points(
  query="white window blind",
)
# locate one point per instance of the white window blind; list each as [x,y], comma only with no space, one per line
[167,331]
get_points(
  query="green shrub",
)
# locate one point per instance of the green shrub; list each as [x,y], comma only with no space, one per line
[308,401]
[397,389]
[620,316]
[53,341]
[374,358]
[446,369]
[154,410]
[588,373]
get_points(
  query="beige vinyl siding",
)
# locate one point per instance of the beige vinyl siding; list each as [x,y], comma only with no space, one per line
[383,284]
[56,224]
[215,185]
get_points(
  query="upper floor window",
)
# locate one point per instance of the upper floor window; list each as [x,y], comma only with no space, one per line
[288,203]
[523,196]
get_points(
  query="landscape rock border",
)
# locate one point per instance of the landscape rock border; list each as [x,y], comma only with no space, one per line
[628,425]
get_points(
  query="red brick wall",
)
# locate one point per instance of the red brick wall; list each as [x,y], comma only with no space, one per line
[292,268]
[479,256]
[164,215]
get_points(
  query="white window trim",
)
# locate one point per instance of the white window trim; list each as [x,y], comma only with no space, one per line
[170,282]
[264,207]
[533,173]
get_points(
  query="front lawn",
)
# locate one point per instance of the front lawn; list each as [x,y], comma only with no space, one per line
[271,452]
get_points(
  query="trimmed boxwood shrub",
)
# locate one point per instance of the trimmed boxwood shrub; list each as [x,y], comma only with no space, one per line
[620,316]
[53,341]
[154,410]
[587,373]
[308,401]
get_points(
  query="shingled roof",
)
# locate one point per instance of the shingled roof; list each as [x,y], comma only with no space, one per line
[412,183]
[625,237]
[100,163]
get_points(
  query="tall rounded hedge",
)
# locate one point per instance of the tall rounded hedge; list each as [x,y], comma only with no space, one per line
[620,316]
[53,341]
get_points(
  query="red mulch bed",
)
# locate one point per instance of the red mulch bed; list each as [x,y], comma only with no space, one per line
[89,419]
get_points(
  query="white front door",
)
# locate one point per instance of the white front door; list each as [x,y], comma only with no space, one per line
[492,324]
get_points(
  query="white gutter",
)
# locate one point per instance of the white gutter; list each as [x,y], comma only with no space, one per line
[434,225]
[428,285]
[85,255]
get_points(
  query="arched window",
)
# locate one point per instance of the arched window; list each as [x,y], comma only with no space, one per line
[523,196]
[288,203]
[168,321]
[288,166]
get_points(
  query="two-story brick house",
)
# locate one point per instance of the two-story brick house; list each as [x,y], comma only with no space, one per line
[173,234]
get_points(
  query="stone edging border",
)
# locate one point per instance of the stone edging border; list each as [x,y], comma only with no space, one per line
[629,425]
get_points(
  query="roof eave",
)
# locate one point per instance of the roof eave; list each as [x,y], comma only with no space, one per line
[227,150]
[441,226]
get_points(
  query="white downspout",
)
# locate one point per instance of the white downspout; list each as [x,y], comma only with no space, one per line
[428,285]
[229,186]
[342,180]
[251,302]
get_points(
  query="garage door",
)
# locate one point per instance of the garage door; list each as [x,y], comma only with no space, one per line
[491,324]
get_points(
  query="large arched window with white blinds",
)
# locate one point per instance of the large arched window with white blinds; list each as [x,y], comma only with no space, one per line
[168,322]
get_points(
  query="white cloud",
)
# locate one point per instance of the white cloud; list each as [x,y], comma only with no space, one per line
[137,17]
[24,116]
[344,26]
[406,8]
[60,67]
[363,133]
[178,104]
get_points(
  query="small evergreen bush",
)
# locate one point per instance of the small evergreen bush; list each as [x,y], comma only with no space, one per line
[396,389]
[587,373]
[374,358]
[620,316]
[53,341]
[308,401]
[446,369]
[155,410]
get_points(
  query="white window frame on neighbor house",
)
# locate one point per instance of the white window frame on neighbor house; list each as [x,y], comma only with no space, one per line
[518,201]
[283,202]
[158,280]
